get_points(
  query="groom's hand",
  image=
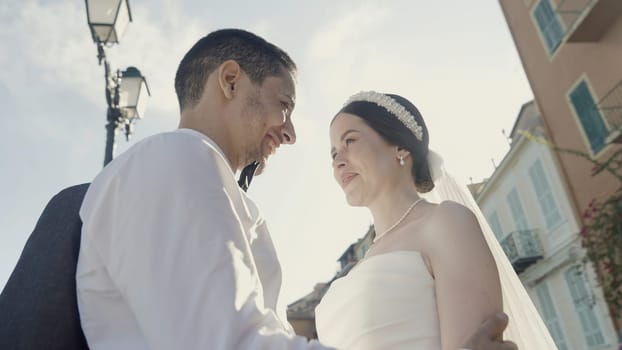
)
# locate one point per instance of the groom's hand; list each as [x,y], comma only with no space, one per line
[489,336]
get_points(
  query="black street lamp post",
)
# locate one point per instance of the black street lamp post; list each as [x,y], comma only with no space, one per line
[127,91]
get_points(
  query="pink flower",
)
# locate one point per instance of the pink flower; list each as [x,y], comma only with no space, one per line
[607,267]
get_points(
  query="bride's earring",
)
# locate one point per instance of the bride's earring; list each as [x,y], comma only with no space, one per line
[401,160]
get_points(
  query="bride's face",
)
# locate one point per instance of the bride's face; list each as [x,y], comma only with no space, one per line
[363,162]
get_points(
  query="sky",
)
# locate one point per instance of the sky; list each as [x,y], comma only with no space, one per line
[454,59]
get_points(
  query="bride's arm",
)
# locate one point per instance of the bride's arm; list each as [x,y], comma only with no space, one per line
[467,284]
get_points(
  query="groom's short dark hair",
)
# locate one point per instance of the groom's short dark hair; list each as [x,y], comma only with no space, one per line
[257,57]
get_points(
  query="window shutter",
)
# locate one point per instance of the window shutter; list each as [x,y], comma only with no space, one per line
[544,194]
[589,116]
[549,316]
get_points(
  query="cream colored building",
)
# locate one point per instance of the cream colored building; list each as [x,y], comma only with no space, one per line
[571,51]
[529,210]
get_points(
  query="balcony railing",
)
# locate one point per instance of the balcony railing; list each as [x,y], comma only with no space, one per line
[610,108]
[588,20]
[522,249]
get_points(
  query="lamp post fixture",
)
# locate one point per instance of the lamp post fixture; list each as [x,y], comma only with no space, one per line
[127,91]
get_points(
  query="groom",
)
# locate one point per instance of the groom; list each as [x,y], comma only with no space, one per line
[173,253]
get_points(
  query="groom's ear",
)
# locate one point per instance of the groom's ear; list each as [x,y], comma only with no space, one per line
[229,74]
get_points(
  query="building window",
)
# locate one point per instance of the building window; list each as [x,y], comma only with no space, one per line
[582,299]
[589,116]
[549,316]
[544,193]
[495,225]
[520,219]
[549,25]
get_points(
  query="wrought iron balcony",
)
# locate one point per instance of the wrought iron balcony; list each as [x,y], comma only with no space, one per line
[522,249]
[588,20]
[610,108]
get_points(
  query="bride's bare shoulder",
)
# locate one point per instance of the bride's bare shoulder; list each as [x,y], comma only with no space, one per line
[448,212]
[451,220]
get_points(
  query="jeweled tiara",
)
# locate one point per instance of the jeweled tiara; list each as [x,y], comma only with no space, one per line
[392,106]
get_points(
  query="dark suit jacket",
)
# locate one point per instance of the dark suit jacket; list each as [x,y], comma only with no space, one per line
[38,306]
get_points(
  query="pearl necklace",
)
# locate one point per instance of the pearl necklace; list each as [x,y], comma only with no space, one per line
[399,221]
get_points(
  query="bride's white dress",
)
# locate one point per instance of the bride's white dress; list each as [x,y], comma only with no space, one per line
[387,301]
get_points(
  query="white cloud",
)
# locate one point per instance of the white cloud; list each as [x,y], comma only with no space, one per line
[51,40]
[54,44]
[350,33]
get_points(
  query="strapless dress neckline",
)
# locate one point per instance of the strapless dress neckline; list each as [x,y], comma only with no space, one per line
[386,301]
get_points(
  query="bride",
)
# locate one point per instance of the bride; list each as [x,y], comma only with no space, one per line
[434,272]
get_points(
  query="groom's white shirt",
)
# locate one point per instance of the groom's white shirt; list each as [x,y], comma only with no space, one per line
[175,256]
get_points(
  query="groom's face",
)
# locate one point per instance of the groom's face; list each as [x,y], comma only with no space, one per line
[266,118]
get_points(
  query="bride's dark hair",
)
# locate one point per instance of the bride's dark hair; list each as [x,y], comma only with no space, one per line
[395,133]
